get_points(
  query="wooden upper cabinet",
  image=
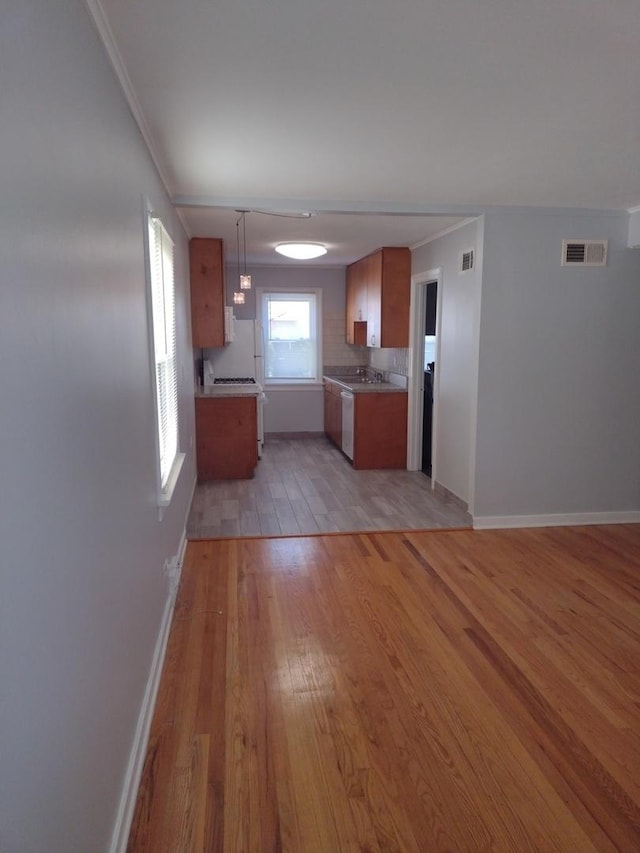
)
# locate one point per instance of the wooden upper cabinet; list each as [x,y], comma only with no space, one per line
[373,271]
[206,272]
[356,306]
[379,292]
[389,296]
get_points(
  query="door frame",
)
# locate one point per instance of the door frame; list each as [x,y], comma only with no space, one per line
[415,385]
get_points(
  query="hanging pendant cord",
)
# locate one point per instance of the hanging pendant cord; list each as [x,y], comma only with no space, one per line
[238,249]
[242,213]
[244,237]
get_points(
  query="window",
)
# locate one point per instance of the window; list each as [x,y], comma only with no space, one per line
[429,350]
[291,321]
[163,345]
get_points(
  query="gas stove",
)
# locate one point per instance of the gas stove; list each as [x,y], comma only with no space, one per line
[234,380]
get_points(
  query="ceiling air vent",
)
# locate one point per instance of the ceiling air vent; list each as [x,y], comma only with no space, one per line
[466,261]
[584,253]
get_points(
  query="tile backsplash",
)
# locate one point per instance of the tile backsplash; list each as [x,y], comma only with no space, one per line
[389,359]
[337,351]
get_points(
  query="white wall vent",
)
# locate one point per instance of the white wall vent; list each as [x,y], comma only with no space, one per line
[584,253]
[466,261]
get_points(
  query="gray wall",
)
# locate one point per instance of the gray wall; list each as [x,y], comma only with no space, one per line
[295,409]
[82,587]
[330,279]
[558,389]
[457,366]
[634,229]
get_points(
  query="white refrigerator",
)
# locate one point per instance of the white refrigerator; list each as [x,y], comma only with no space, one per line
[242,358]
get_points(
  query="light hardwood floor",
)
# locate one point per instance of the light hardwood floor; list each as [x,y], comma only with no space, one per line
[420,691]
[305,485]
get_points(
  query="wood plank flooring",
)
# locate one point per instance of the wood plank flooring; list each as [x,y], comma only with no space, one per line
[305,485]
[420,691]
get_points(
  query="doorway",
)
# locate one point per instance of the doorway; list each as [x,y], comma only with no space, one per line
[424,344]
[429,370]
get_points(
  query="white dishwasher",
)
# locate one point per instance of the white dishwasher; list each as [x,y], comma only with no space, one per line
[347,423]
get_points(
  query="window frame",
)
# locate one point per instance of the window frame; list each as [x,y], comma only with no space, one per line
[163,360]
[302,293]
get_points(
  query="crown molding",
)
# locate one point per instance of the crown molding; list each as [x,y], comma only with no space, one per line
[105,32]
[456,227]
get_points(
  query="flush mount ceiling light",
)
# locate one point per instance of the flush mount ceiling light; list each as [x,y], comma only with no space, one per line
[301,251]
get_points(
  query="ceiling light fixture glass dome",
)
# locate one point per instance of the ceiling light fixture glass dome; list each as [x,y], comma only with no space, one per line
[301,251]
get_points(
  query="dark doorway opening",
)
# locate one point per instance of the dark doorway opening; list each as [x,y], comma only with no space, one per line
[429,375]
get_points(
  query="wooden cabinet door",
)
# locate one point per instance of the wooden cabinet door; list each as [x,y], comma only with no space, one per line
[361,294]
[395,278]
[327,411]
[374,298]
[336,418]
[379,292]
[380,430]
[206,273]
[356,304]
[226,437]
[350,306]
[333,413]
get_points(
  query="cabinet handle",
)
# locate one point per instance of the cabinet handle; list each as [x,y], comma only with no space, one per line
[360,314]
[373,340]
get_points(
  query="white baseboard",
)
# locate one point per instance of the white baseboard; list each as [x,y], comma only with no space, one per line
[179,560]
[494,522]
[133,775]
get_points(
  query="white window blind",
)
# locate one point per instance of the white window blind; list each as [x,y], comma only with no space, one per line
[291,326]
[164,345]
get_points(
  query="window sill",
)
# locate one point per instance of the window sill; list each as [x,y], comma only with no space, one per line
[165,496]
[313,385]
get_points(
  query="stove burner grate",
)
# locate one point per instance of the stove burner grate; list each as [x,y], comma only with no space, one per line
[234,380]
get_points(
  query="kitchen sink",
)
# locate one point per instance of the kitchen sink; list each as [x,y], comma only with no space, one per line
[354,378]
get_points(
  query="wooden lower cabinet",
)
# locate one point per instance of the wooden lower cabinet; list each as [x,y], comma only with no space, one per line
[226,438]
[380,430]
[379,426]
[333,413]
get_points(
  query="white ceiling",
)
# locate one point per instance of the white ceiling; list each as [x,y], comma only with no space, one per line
[422,106]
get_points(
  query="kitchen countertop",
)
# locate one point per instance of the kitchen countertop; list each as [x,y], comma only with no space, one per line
[229,391]
[357,386]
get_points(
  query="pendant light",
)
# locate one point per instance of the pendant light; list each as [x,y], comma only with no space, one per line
[244,279]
